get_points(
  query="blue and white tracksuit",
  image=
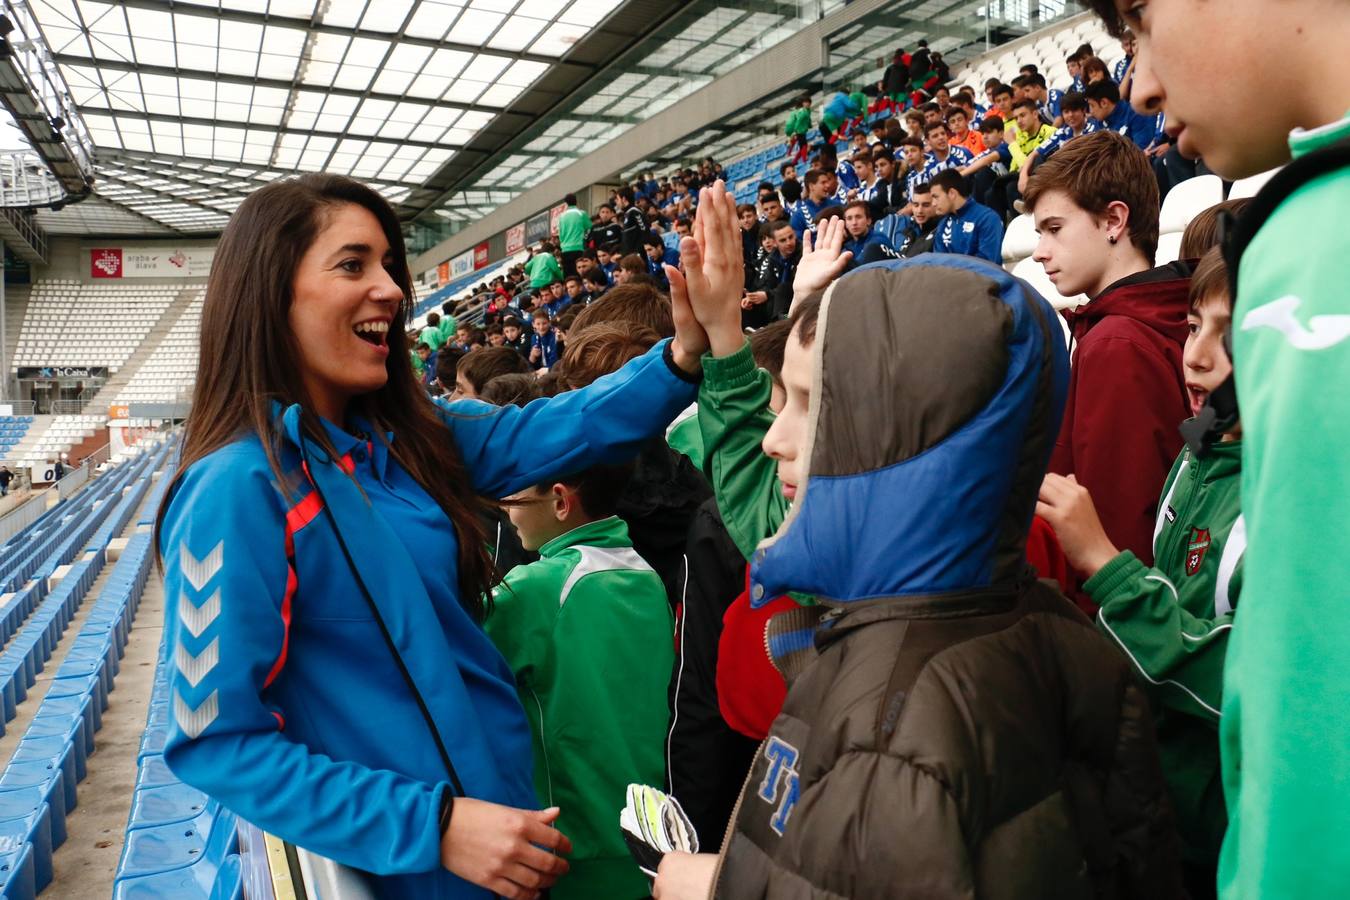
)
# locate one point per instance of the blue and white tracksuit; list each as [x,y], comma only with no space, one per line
[975,230]
[288,705]
[1065,134]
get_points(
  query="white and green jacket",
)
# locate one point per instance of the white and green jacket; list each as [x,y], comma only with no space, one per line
[1173,621]
[588,632]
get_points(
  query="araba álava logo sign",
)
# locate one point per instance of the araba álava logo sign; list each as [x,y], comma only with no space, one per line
[106,263]
[179,259]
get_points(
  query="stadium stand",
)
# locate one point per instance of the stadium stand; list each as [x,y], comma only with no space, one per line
[74,324]
[169,370]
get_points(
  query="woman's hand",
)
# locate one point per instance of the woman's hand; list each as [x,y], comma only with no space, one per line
[685,876]
[822,260]
[498,848]
[1067,506]
[706,296]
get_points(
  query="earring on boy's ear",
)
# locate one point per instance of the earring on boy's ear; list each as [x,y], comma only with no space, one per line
[1111,239]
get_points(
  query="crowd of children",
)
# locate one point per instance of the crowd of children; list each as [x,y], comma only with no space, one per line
[915,597]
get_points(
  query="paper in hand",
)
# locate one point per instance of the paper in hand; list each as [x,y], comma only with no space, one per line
[654,824]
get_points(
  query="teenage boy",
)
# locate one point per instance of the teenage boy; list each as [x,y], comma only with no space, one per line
[655,256]
[1105,105]
[1284,736]
[632,223]
[1030,133]
[1077,122]
[542,268]
[921,229]
[448,322]
[942,154]
[916,165]
[586,630]
[863,241]
[1047,99]
[992,163]
[544,346]
[917,685]
[1074,63]
[431,333]
[606,230]
[890,189]
[960,134]
[515,336]
[573,227]
[1096,210]
[608,257]
[866,175]
[819,196]
[1173,619]
[966,226]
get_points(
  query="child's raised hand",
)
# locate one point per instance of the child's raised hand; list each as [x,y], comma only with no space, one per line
[714,270]
[823,260]
[1068,507]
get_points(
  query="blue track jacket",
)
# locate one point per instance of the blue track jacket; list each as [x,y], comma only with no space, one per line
[975,230]
[289,707]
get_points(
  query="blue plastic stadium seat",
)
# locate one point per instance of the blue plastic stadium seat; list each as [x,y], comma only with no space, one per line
[17,877]
[26,820]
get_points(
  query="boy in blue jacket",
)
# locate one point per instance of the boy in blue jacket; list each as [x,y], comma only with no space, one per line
[967,226]
[545,348]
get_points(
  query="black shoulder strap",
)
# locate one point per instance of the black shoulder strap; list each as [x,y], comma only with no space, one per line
[1220,412]
[1240,231]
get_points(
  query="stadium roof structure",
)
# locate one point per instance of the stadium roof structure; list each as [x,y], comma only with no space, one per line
[191,104]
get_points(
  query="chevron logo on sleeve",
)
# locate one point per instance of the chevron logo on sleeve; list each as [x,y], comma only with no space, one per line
[197,618]
[200,571]
[192,722]
[195,668]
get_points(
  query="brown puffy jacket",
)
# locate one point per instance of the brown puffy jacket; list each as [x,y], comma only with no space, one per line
[953,728]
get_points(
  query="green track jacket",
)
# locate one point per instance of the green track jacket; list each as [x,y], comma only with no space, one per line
[734,416]
[798,122]
[1173,621]
[588,632]
[1285,735]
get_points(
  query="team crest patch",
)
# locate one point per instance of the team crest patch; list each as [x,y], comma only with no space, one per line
[1195,549]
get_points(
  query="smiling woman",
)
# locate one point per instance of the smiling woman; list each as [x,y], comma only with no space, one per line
[321,540]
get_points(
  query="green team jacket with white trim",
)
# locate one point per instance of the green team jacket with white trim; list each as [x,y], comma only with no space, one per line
[587,630]
[1173,621]
[1285,735]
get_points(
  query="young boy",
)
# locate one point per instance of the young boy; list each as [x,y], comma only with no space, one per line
[586,630]
[993,163]
[544,346]
[1096,210]
[1173,619]
[915,753]
[515,337]
[797,125]
[961,134]
[1284,733]
[967,226]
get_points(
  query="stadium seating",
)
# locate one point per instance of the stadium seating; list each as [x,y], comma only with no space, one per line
[172,367]
[12,430]
[61,433]
[46,574]
[70,323]
[1187,200]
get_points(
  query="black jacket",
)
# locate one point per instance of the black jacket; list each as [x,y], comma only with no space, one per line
[659,505]
[604,234]
[634,227]
[707,760]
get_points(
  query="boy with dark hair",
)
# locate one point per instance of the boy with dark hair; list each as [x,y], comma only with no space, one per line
[448,321]
[655,254]
[496,337]
[942,155]
[594,284]
[1283,734]
[632,223]
[513,331]
[967,226]
[1096,210]
[606,231]
[1074,63]
[917,686]
[573,227]
[960,134]
[478,367]
[1173,619]
[608,257]
[1030,133]
[544,346]
[1047,99]
[992,163]
[818,197]
[863,241]
[1077,122]
[916,164]
[586,630]
[1105,105]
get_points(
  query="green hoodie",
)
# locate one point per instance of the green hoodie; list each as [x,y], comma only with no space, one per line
[587,631]
[734,416]
[798,122]
[448,326]
[1285,734]
[1173,621]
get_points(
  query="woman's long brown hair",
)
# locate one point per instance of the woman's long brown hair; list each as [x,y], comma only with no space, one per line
[248,359]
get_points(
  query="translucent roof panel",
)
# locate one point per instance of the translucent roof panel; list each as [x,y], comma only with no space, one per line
[384,90]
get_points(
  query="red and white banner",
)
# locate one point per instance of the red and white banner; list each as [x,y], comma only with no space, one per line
[515,238]
[161,261]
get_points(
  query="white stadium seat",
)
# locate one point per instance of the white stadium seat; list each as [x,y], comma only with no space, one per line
[1019,241]
[1169,248]
[1247,187]
[1187,200]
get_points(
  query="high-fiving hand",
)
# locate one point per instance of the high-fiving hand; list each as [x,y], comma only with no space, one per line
[823,260]
[706,297]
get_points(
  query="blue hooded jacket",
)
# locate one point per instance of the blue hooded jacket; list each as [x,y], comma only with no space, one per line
[934,490]
[289,706]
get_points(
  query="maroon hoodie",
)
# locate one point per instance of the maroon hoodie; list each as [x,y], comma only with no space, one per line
[1127,395]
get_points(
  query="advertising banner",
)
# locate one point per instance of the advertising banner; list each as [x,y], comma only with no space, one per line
[480,256]
[515,238]
[443,274]
[554,215]
[461,265]
[536,228]
[162,261]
